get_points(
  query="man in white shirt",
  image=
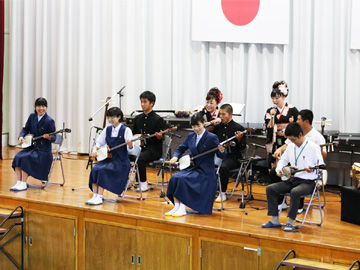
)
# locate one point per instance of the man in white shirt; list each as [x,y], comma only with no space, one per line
[301,154]
[304,118]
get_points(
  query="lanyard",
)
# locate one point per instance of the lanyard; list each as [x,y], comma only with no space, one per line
[296,158]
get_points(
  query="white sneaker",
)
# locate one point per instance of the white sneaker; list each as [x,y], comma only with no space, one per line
[98,200]
[172,211]
[299,211]
[284,206]
[179,213]
[218,199]
[91,200]
[20,186]
[15,186]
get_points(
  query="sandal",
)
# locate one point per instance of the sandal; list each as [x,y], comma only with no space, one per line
[288,227]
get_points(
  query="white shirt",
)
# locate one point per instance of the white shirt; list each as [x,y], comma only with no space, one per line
[198,137]
[308,155]
[39,117]
[313,136]
[114,133]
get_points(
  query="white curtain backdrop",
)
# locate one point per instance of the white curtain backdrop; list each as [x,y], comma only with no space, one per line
[76,53]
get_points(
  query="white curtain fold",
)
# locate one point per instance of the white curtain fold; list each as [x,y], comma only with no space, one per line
[76,53]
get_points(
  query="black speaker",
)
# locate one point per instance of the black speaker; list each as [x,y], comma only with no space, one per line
[350,205]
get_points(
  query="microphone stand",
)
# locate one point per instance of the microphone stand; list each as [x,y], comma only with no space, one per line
[91,117]
[120,96]
[90,160]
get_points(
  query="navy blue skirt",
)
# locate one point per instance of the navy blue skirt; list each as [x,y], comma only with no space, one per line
[110,174]
[34,162]
[194,188]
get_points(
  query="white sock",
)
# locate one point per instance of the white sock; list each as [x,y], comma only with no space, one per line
[143,184]
[17,184]
[291,221]
[22,184]
[275,220]
[100,196]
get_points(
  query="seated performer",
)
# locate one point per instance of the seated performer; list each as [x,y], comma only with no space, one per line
[301,154]
[148,123]
[112,173]
[195,186]
[304,118]
[35,160]
[225,130]
[210,111]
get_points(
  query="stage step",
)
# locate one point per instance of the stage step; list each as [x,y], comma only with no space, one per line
[307,264]
[5,215]
[314,265]
[6,212]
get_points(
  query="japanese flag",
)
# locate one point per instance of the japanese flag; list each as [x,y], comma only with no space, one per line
[246,21]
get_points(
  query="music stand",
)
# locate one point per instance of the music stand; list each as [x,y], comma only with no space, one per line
[244,170]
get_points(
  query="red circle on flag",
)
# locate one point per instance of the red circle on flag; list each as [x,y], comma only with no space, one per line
[240,12]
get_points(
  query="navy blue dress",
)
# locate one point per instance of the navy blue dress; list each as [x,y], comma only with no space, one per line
[36,160]
[196,186]
[112,173]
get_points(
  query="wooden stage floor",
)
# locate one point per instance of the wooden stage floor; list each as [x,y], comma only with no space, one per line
[335,235]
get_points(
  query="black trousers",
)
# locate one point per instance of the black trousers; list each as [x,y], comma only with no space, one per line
[298,187]
[227,165]
[276,179]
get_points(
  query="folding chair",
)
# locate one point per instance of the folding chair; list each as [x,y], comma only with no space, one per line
[324,178]
[59,140]
[130,183]
[218,162]
[17,213]
[165,156]
[58,156]
[315,192]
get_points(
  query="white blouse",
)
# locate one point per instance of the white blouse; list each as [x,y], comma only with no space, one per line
[114,133]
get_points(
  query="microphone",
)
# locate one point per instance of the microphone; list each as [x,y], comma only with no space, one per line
[258,145]
[174,134]
[218,121]
[97,128]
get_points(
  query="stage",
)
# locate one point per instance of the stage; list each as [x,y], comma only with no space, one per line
[135,234]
